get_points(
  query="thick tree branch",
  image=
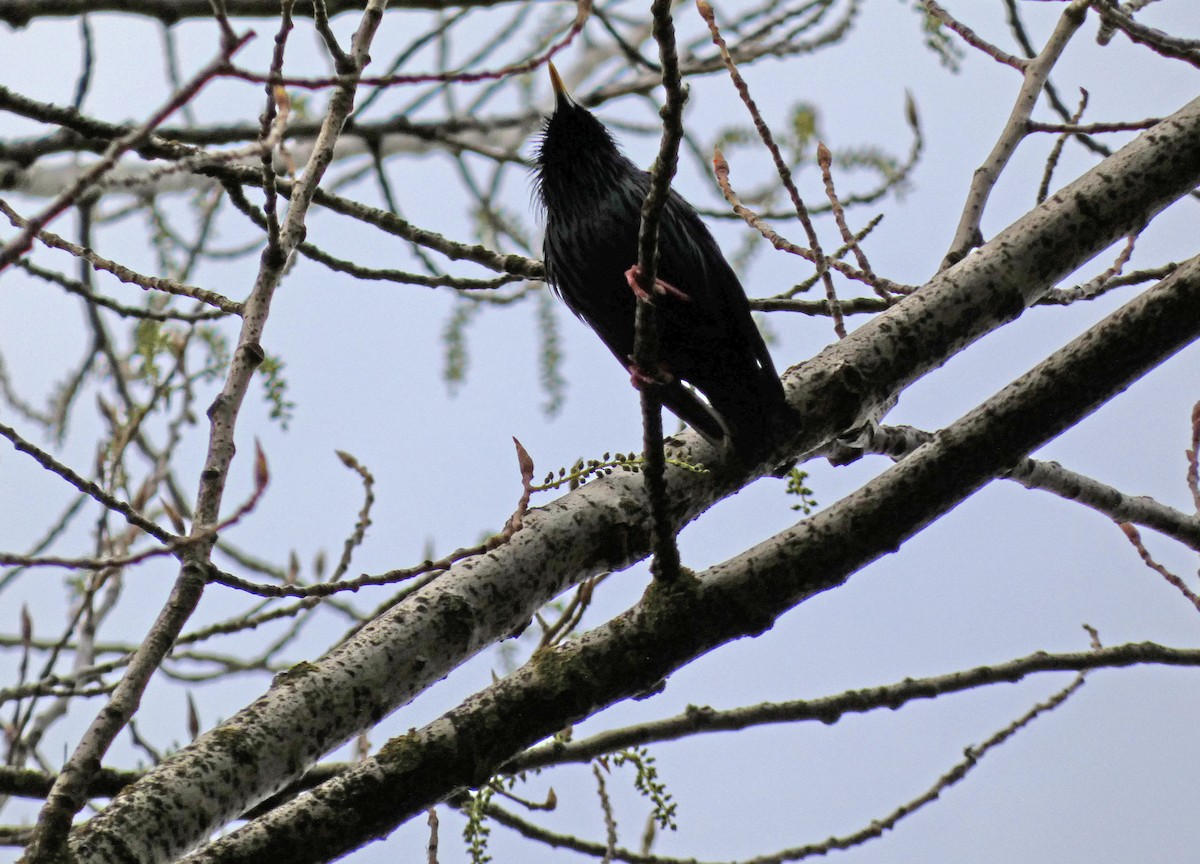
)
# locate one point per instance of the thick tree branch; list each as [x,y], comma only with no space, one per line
[604,525]
[677,622]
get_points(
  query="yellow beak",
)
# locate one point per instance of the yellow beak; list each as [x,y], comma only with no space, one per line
[560,89]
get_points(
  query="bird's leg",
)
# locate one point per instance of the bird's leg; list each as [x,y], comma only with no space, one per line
[634,277]
[639,378]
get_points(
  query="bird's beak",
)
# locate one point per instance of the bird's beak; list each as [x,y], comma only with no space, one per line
[561,96]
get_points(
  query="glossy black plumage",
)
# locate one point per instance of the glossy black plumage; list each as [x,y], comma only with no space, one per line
[592,196]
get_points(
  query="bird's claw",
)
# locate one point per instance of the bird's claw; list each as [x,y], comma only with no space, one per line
[639,378]
[634,277]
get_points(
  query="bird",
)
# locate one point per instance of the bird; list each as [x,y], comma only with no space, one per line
[591,195]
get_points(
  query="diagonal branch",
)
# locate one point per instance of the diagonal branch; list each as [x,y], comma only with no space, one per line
[899,441]
[604,525]
[968,235]
[674,624]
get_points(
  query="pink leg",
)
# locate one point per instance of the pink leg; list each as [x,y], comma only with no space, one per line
[633,277]
[640,379]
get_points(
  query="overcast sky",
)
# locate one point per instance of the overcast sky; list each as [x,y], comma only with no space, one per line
[1109,777]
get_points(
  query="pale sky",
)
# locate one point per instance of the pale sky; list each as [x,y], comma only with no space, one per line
[1108,777]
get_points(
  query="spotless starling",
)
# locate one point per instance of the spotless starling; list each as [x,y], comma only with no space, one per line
[593,197]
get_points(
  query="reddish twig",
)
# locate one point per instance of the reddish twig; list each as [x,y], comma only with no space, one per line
[583,11]
[173,546]
[781,166]
[20,244]
[87,487]
[325,589]
[974,39]
[721,170]
[1135,538]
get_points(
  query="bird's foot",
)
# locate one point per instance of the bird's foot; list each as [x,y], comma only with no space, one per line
[634,277]
[639,378]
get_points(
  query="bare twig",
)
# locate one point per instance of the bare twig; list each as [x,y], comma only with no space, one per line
[972,38]
[125,274]
[431,849]
[610,822]
[899,441]
[364,515]
[781,166]
[721,171]
[665,566]
[1036,73]
[79,289]
[1107,281]
[583,12]
[1193,458]
[1162,43]
[276,98]
[1135,539]
[87,487]
[24,239]
[172,545]
[1056,150]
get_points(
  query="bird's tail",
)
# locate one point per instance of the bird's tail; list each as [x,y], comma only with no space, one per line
[694,411]
[754,411]
[749,412]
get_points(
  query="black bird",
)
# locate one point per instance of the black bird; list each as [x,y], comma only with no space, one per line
[593,197]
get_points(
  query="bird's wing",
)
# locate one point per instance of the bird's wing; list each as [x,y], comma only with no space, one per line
[685,246]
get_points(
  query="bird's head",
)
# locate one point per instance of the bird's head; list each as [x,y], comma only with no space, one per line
[572,137]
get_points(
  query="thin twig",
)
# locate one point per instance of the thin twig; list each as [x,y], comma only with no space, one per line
[364,515]
[898,442]
[87,487]
[276,97]
[1036,73]
[825,163]
[583,12]
[20,244]
[173,546]
[1193,459]
[721,171]
[125,274]
[781,166]
[1107,281]
[972,38]
[1056,150]
[610,822]
[1135,539]
[80,290]
[665,565]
